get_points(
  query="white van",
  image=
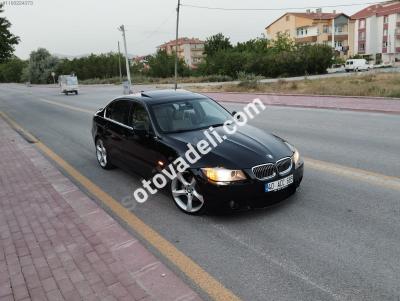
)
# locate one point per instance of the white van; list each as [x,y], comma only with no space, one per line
[68,84]
[357,65]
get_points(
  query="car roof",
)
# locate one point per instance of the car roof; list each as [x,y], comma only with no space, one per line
[164,96]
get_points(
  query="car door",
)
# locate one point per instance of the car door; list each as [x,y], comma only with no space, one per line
[143,147]
[117,128]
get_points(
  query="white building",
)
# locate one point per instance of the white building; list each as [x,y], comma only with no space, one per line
[377,32]
[190,50]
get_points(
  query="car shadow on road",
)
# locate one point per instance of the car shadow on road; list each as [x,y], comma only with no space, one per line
[227,215]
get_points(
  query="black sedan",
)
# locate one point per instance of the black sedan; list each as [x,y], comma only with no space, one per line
[147,132]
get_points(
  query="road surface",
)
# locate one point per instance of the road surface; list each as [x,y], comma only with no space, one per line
[338,238]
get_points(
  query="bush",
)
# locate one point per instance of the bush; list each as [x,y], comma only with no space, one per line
[11,70]
[269,59]
[103,66]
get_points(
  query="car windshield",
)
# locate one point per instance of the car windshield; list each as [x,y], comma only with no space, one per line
[72,81]
[189,115]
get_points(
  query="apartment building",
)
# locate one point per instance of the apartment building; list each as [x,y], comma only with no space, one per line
[376,31]
[313,28]
[191,50]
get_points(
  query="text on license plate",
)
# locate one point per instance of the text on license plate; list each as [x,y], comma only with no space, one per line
[278,185]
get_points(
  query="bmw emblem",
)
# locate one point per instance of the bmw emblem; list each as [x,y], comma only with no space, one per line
[270,156]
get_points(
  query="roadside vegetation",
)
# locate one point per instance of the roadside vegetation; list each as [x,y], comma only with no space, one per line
[223,62]
[371,84]
[247,62]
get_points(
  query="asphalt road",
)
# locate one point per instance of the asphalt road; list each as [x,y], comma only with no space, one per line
[338,238]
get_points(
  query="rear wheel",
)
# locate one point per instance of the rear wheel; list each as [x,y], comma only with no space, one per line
[102,155]
[186,194]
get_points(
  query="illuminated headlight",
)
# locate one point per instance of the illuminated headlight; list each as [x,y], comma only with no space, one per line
[222,175]
[296,155]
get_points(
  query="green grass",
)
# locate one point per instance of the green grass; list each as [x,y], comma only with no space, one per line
[375,84]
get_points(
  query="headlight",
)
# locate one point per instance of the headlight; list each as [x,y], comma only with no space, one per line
[296,155]
[219,174]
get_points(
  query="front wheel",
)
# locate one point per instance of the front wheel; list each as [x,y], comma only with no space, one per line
[186,194]
[102,155]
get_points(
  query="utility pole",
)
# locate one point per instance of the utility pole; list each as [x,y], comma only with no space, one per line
[176,43]
[128,73]
[119,63]
[333,33]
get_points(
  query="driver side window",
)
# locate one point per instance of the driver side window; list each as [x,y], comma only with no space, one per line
[140,118]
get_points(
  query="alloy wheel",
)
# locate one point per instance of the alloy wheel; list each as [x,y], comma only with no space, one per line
[101,153]
[185,193]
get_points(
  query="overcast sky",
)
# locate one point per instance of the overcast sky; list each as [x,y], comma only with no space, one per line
[73,27]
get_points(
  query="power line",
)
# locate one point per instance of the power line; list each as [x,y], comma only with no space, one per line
[157,28]
[278,9]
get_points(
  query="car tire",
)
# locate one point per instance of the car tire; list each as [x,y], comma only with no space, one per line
[76,92]
[102,155]
[186,195]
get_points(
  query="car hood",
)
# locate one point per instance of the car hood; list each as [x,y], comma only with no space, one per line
[248,147]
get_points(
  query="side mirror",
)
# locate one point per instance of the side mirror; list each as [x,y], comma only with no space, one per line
[237,117]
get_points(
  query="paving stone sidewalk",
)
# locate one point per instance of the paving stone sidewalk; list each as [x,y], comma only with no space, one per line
[57,244]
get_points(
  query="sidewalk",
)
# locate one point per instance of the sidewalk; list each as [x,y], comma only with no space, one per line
[57,244]
[365,104]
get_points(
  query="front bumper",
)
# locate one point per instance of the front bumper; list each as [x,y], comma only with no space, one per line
[250,193]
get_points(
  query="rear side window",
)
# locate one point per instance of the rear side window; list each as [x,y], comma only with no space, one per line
[119,111]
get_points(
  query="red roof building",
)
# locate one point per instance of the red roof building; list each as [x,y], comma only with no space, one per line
[313,28]
[191,50]
[376,31]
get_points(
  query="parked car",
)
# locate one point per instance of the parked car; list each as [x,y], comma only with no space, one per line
[250,168]
[68,84]
[357,65]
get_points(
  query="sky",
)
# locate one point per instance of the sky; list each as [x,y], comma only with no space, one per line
[72,27]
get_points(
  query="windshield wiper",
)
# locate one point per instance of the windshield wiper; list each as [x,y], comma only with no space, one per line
[196,129]
[211,125]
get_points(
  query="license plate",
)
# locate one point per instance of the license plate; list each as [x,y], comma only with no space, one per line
[279,185]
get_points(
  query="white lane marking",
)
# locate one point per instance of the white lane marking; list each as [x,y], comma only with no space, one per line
[362,175]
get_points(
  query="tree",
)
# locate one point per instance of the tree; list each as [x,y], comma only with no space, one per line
[7,39]
[162,64]
[216,43]
[41,64]
[11,71]
[283,42]
[259,45]
[93,66]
